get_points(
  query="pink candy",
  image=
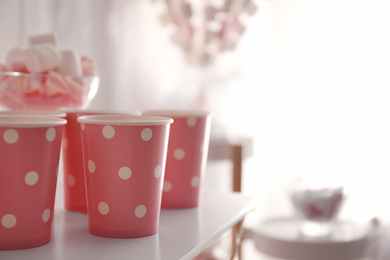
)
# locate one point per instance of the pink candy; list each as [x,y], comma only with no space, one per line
[45,75]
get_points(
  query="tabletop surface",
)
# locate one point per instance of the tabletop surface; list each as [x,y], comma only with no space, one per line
[183,233]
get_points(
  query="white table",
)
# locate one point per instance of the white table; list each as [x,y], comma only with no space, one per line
[183,234]
[281,238]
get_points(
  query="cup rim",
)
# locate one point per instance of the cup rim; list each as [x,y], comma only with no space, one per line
[176,112]
[32,113]
[30,121]
[124,119]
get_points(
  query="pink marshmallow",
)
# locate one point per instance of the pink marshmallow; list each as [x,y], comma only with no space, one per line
[56,85]
[41,58]
[49,38]
[34,84]
[70,63]
[88,66]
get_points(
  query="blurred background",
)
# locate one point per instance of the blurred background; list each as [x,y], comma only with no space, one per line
[309,81]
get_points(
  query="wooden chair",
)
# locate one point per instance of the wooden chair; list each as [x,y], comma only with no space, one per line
[236,151]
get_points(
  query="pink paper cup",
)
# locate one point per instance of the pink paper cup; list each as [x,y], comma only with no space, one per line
[72,156]
[124,158]
[186,157]
[29,158]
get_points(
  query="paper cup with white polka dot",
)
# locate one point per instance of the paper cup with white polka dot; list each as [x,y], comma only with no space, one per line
[186,157]
[124,159]
[29,158]
[72,158]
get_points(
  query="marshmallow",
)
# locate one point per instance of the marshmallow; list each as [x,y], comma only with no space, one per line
[70,63]
[14,55]
[34,83]
[41,57]
[49,38]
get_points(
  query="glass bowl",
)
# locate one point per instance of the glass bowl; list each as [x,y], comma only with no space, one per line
[317,203]
[46,91]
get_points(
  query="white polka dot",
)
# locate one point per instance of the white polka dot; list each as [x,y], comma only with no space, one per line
[146,134]
[71,180]
[50,134]
[179,154]
[191,121]
[8,221]
[91,166]
[140,211]
[31,178]
[10,136]
[46,215]
[108,131]
[124,173]
[157,171]
[65,143]
[82,126]
[195,181]
[103,208]
[167,186]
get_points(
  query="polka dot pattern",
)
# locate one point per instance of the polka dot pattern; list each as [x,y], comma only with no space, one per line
[140,211]
[46,215]
[146,134]
[179,154]
[8,221]
[157,171]
[195,181]
[50,134]
[65,143]
[108,132]
[31,178]
[191,121]
[167,186]
[71,180]
[91,166]
[10,136]
[103,208]
[124,173]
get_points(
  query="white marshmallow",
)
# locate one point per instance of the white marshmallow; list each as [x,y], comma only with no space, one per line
[15,55]
[49,38]
[41,57]
[70,63]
